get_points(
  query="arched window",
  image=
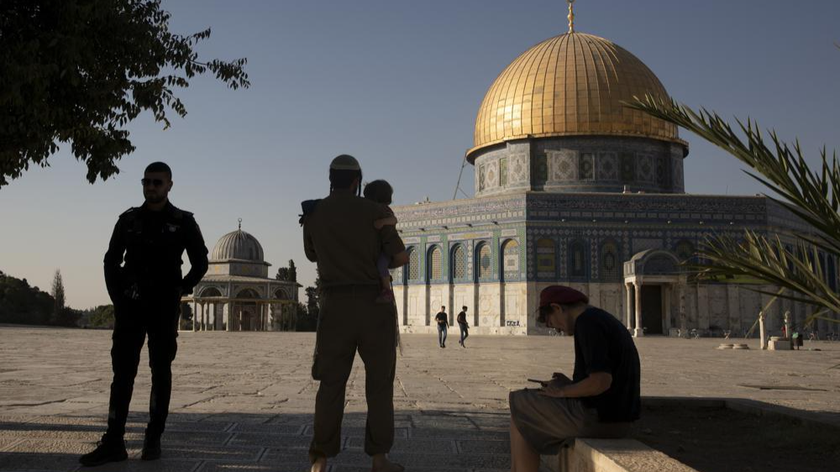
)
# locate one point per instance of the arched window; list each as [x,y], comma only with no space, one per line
[610,263]
[546,258]
[248,294]
[413,269]
[685,250]
[458,263]
[510,260]
[211,292]
[484,262]
[434,264]
[577,259]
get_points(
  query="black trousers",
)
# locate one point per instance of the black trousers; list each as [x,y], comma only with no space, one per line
[351,321]
[465,332]
[134,320]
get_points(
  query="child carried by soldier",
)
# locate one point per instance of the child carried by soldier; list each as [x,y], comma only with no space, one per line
[379,191]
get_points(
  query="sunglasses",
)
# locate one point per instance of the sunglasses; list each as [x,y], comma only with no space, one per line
[151,182]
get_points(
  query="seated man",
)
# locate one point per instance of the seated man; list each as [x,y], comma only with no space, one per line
[601,400]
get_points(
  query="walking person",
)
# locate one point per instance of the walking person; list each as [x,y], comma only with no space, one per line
[146,292]
[442,320]
[601,400]
[339,235]
[463,325]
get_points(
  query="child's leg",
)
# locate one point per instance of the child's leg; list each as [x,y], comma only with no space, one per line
[382,266]
[386,295]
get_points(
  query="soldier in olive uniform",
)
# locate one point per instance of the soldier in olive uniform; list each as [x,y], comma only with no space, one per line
[340,236]
[146,292]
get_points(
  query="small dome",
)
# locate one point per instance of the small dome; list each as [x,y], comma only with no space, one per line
[238,245]
[570,85]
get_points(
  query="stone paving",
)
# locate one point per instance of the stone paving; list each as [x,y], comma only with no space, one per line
[243,401]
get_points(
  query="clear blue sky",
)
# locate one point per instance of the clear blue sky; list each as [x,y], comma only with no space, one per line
[398,85]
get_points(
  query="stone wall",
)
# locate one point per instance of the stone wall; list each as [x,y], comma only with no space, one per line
[510,308]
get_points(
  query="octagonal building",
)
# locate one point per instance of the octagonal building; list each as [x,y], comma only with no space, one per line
[572,187]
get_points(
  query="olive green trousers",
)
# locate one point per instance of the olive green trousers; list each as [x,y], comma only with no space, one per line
[350,321]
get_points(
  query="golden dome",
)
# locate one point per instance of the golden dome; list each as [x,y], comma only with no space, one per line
[570,85]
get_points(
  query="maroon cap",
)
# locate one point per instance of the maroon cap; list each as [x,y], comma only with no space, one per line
[561,295]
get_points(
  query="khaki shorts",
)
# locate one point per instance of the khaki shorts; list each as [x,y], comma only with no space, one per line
[547,422]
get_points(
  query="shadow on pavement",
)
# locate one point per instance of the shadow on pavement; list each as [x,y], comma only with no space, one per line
[425,441]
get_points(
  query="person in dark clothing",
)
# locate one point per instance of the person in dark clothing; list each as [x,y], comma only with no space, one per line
[601,400]
[146,291]
[442,320]
[463,325]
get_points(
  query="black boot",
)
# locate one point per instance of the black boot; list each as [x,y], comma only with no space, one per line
[107,450]
[151,447]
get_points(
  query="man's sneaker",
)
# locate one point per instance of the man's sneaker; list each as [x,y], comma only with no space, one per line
[107,450]
[151,447]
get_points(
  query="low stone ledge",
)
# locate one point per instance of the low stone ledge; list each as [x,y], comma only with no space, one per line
[611,455]
[630,455]
[752,407]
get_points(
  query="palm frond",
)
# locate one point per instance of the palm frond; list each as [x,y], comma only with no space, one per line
[813,196]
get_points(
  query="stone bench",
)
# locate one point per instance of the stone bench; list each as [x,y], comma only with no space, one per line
[610,455]
[630,455]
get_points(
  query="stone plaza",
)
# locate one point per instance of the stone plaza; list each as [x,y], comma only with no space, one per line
[243,401]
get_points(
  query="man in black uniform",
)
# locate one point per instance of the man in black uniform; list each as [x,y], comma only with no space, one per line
[146,292]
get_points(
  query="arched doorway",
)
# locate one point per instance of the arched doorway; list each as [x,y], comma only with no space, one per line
[247,311]
[653,280]
[210,311]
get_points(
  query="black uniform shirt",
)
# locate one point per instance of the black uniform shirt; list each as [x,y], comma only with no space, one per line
[152,243]
[603,344]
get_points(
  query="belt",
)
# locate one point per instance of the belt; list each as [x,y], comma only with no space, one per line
[351,289]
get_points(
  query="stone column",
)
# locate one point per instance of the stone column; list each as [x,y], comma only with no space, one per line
[203,325]
[733,306]
[628,306]
[638,331]
[194,315]
[227,316]
[683,315]
[666,316]
[702,307]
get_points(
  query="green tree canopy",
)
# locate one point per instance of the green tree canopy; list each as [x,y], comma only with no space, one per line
[57,293]
[22,304]
[287,274]
[101,316]
[78,71]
